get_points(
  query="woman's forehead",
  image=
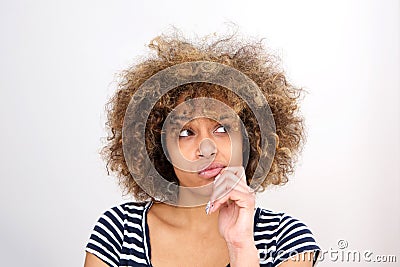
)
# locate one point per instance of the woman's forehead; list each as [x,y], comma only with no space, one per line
[209,108]
[220,94]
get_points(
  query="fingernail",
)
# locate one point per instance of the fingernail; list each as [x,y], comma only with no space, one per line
[208,207]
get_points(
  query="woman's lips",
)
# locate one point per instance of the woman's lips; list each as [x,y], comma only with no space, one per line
[210,173]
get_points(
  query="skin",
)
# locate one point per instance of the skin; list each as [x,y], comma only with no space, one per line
[229,224]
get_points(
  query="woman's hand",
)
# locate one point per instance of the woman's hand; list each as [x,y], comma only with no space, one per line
[235,201]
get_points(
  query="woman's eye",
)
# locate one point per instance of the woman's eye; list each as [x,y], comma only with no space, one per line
[185,133]
[221,129]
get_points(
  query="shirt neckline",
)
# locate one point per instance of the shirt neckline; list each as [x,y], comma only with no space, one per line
[146,239]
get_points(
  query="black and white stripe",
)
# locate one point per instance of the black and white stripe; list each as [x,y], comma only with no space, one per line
[120,236]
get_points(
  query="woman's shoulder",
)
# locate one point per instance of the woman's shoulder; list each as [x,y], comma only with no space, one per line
[116,217]
[279,235]
[276,221]
[119,224]
[127,210]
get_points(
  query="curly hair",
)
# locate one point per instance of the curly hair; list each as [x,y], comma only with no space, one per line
[250,58]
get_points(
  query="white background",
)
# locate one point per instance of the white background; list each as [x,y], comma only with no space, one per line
[58,61]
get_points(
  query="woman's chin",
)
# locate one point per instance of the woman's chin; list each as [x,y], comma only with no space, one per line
[199,193]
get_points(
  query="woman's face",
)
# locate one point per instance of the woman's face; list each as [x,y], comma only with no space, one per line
[199,148]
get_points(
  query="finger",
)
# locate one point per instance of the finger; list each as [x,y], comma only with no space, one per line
[236,173]
[225,175]
[227,181]
[239,171]
[226,184]
[242,199]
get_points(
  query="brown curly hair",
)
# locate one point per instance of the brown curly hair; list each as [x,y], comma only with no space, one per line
[250,58]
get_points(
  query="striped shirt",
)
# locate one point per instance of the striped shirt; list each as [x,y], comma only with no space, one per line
[121,236]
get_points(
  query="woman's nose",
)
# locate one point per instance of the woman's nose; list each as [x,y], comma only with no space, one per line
[207,148]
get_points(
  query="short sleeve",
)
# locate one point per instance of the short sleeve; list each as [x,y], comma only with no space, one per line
[293,237]
[106,239]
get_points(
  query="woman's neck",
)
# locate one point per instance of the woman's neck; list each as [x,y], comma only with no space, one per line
[191,218]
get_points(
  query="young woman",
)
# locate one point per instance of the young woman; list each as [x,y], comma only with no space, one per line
[206,142]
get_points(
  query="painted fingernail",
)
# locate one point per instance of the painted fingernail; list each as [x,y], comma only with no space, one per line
[208,207]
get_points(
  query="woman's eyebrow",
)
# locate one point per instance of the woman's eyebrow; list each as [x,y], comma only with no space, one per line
[177,122]
[176,119]
[182,119]
[228,117]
